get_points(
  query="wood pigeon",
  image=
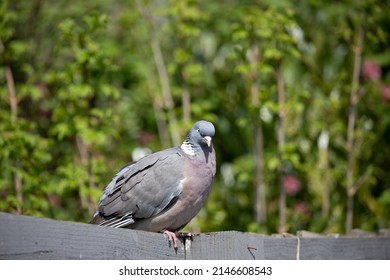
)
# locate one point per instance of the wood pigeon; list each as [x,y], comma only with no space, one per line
[163,191]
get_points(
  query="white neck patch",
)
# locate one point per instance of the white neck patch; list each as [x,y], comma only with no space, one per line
[188,148]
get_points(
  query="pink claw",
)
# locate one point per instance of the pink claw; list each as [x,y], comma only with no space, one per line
[171,237]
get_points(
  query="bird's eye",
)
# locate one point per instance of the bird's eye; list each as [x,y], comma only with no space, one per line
[198,130]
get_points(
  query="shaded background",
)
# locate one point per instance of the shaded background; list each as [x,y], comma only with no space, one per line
[299,92]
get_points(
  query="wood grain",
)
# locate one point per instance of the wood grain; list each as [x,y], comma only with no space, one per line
[23,237]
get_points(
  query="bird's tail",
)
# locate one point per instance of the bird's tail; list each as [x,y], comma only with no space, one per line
[116,222]
[97,219]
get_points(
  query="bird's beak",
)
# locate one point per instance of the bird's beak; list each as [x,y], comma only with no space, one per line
[207,140]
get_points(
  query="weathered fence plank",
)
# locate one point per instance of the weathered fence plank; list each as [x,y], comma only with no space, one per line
[345,248]
[279,248]
[226,245]
[23,237]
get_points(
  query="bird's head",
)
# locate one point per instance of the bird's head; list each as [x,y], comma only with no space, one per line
[200,135]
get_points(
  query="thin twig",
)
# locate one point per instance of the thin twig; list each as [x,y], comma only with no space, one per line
[260,200]
[362,179]
[352,115]
[12,94]
[281,144]
[186,99]
[84,158]
[18,185]
[162,72]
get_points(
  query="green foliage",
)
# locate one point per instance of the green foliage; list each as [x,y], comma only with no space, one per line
[81,90]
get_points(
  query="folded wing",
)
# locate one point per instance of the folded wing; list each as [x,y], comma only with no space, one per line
[142,189]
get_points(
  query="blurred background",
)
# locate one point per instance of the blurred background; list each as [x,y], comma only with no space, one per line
[299,93]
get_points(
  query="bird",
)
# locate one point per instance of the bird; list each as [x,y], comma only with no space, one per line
[163,191]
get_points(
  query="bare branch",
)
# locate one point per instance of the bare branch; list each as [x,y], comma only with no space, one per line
[362,179]
[162,72]
[352,115]
[281,144]
[12,94]
[259,184]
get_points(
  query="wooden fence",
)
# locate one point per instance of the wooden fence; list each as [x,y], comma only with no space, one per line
[23,237]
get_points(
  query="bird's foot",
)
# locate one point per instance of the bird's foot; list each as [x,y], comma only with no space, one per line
[171,237]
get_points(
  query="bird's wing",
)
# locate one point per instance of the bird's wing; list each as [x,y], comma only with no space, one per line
[143,189]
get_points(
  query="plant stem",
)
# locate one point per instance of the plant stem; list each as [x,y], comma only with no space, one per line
[260,199]
[352,115]
[162,73]
[186,99]
[281,144]
[18,185]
